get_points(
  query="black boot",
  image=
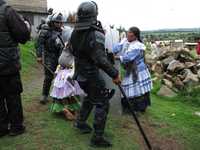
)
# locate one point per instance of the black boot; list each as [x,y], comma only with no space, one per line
[3,133]
[99,141]
[84,128]
[44,99]
[17,131]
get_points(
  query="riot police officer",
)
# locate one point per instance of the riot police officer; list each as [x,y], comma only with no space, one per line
[87,41]
[39,27]
[13,30]
[50,47]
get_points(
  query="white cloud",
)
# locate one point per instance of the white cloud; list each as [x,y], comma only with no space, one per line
[146,14]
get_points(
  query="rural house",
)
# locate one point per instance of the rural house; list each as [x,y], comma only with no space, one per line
[34,10]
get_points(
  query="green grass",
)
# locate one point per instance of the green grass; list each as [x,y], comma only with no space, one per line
[180,119]
[190,95]
[49,132]
[53,133]
[178,114]
[27,59]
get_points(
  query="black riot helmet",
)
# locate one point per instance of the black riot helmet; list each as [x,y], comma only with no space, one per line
[87,14]
[87,10]
[2,2]
[57,17]
[50,11]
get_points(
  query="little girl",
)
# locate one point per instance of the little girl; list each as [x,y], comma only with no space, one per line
[65,89]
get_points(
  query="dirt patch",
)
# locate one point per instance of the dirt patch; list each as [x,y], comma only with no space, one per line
[157,142]
[32,85]
[166,144]
[33,80]
[35,107]
[19,147]
[128,124]
[157,125]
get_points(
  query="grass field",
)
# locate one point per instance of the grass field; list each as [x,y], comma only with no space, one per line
[170,123]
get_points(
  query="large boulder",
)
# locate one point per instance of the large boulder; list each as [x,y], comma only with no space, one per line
[178,83]
[168,83]
[168,76]
[149,60]
[192,66]
[157,67]
[181,76]
[198,63]
[162,53]
[185,55]
[189,65]
[175,65]
[167,60]
[165,91]
[166,52]
[190,78]
[198,74]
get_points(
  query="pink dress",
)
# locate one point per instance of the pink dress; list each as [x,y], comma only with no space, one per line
[62,88]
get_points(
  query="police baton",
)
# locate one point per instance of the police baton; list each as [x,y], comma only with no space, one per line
[44,65]
[136,119]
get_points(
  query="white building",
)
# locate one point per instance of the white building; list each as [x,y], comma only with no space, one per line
[33,10]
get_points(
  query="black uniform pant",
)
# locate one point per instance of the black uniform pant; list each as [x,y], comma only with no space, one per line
[51,63]
[94,89]
[11,112]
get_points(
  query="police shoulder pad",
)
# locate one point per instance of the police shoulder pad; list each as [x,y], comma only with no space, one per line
[100,38]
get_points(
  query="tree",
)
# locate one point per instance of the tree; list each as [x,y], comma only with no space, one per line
[121,29]
[71,18]
[112,26]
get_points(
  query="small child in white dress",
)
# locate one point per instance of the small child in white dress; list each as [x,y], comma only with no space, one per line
[65,89]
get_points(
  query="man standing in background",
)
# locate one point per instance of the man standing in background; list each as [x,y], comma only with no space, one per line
[49,50]
[13,30]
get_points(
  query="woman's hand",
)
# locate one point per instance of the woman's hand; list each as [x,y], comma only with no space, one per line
[117,57]
[117,80]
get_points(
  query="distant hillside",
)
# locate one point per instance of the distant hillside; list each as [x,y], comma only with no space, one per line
[186,34]
[174,30]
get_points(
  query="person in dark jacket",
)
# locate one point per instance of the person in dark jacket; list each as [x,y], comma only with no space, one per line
[13,30]
[50,47]
[39,27]
[87,41]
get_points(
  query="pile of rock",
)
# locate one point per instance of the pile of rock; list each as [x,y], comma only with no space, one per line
[177,69]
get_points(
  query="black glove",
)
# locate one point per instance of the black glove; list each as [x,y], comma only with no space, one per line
[110,56]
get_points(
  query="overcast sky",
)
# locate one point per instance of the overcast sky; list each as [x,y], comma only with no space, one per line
[145,14]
